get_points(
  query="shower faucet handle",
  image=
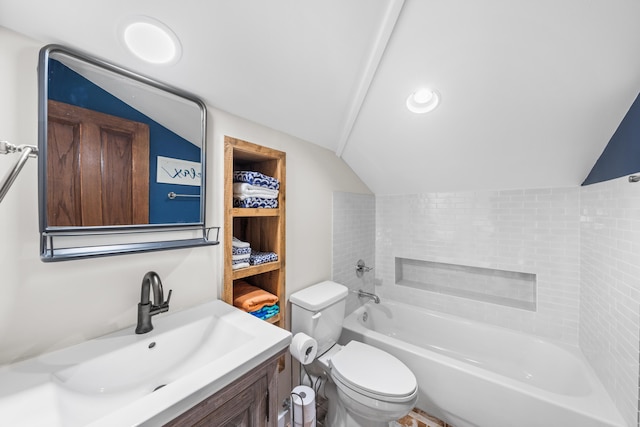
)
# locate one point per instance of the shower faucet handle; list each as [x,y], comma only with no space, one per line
[362,268]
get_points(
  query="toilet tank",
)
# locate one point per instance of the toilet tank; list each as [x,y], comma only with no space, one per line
[318,311]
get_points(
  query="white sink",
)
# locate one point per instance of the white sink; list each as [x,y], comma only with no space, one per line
[126,379]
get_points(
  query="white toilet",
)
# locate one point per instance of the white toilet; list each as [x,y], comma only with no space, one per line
[367,386]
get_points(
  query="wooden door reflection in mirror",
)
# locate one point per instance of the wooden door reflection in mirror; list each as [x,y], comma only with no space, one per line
[98,168]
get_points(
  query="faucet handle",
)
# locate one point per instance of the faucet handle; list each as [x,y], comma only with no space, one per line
[166,303]
[162,307]
[361,268]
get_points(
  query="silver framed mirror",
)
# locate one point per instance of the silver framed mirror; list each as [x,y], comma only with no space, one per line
[122,160]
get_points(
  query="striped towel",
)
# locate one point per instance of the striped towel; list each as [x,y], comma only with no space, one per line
[255,202]
[240,251]
[257,179]
[258,257]
[240,258]
[266,312]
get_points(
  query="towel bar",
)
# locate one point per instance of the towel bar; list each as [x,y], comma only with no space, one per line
[173,195]
[7,148]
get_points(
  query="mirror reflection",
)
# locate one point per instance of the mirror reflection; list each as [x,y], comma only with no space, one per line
[121,161]
[120,149]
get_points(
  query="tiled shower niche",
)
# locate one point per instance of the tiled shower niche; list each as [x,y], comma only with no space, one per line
[508,288]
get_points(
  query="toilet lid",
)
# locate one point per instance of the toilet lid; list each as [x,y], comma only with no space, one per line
[373,371]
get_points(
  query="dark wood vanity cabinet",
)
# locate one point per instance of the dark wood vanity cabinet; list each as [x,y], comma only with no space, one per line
[250,401]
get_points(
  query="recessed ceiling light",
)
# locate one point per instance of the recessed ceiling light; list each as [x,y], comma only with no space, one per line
[150,40]
[423,100]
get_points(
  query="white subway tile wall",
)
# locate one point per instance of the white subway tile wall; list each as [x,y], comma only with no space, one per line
[529,231]
[610,293]
[353,239]
[583,245]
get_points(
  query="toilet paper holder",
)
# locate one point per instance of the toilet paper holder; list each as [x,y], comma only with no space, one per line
[303,407]
[303,348]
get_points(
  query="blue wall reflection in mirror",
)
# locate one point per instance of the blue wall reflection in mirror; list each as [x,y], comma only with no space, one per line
[65,85]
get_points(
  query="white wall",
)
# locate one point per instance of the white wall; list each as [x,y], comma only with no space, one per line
[44,306]
[610,292]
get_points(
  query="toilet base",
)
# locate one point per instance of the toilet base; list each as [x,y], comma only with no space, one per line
[339,416]
[347,419]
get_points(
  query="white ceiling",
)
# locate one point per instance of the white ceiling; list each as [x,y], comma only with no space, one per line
[531,90]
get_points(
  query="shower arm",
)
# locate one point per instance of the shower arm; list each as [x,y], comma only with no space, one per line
[8,148]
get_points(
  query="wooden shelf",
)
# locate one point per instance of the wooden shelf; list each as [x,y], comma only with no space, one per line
[253,212]
[275,319]
[241,273]
[263,228]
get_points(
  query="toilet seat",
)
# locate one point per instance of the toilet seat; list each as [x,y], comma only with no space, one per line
[374,373]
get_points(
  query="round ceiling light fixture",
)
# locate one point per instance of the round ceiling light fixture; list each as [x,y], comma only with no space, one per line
[423,101]
[150,40]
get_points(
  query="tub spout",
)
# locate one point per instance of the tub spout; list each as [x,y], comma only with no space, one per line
[363,294]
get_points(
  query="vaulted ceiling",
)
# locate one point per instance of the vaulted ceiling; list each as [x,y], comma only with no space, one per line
[531,90]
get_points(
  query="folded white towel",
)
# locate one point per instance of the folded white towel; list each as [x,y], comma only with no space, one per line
[246,197]
[240,257]
[239,243]
[242,190]
[239,265]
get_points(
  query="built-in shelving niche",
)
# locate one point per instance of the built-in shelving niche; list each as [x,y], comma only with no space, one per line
[508,288]
[263,228]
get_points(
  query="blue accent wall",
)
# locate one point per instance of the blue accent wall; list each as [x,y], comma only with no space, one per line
[65,85]
[622,155]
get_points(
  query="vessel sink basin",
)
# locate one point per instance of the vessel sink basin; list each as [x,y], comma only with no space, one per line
[126,379]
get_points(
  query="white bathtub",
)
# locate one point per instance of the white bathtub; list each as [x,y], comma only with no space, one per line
[474,374]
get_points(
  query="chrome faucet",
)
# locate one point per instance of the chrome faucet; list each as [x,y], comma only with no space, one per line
[150,281]
[363,294]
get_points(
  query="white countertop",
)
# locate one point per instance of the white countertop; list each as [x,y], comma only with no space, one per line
[109,381]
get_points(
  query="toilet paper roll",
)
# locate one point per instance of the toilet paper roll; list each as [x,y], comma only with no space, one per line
[303,348]
[304,406]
